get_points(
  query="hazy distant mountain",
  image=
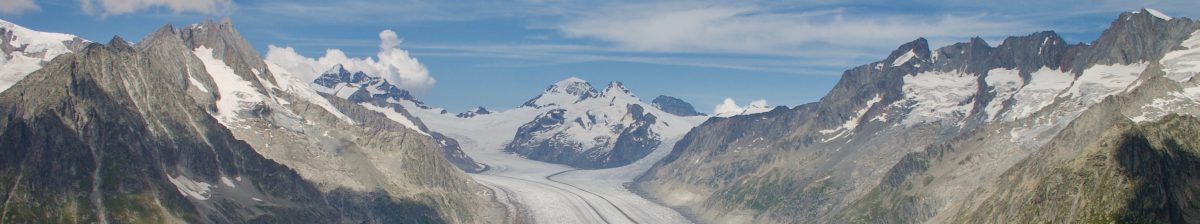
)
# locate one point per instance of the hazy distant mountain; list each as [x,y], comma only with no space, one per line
[1032,130]
[585,128]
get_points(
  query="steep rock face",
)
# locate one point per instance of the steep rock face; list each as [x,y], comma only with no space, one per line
[906,139]
[110,134]
[585,128]
[675,106]
[383,97]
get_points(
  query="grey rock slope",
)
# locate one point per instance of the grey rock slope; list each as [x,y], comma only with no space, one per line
[675,106]
[913,137]
[110,134]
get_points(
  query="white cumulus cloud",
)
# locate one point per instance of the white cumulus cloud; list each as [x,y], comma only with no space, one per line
[16,7]
[117,7]
[391,63]
[729,108]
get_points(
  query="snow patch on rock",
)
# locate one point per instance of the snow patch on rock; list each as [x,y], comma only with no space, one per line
[394,116]
[236,94]
[1044,84]
[938,96]
[188,187]
[904,58]
[1100,81]
[300,89]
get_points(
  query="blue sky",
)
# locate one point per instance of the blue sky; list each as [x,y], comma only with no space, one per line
[500,53]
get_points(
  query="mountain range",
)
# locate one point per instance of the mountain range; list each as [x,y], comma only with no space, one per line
[191,125]
[1032,130]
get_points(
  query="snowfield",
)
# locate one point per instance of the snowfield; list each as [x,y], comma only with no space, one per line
[938,96]
[39,48]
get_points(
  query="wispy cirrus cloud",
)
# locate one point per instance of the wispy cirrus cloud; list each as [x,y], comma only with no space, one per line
[17,7]
[796,37]
[760,30]
[118,7]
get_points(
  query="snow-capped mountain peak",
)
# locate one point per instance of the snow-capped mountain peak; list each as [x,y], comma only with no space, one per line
[572,86]
[616,88]
[1155,13]
[566,91]
[358,86]
[25,50]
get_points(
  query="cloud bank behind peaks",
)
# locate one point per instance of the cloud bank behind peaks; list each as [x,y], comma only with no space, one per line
[730,108]
[391,63]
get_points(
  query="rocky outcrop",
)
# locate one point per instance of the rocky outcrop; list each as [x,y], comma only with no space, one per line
[473,113]
[675,106]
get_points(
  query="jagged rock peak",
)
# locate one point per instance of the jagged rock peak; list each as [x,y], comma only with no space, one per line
[119,43]
[566,91]
[616,87]
[164,33]
[675,106]
[910,53]
[359,85]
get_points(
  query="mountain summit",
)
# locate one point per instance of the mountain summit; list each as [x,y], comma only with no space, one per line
[581,127]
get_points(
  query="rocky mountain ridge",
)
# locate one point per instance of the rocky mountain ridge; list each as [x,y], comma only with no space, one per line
[957,116]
